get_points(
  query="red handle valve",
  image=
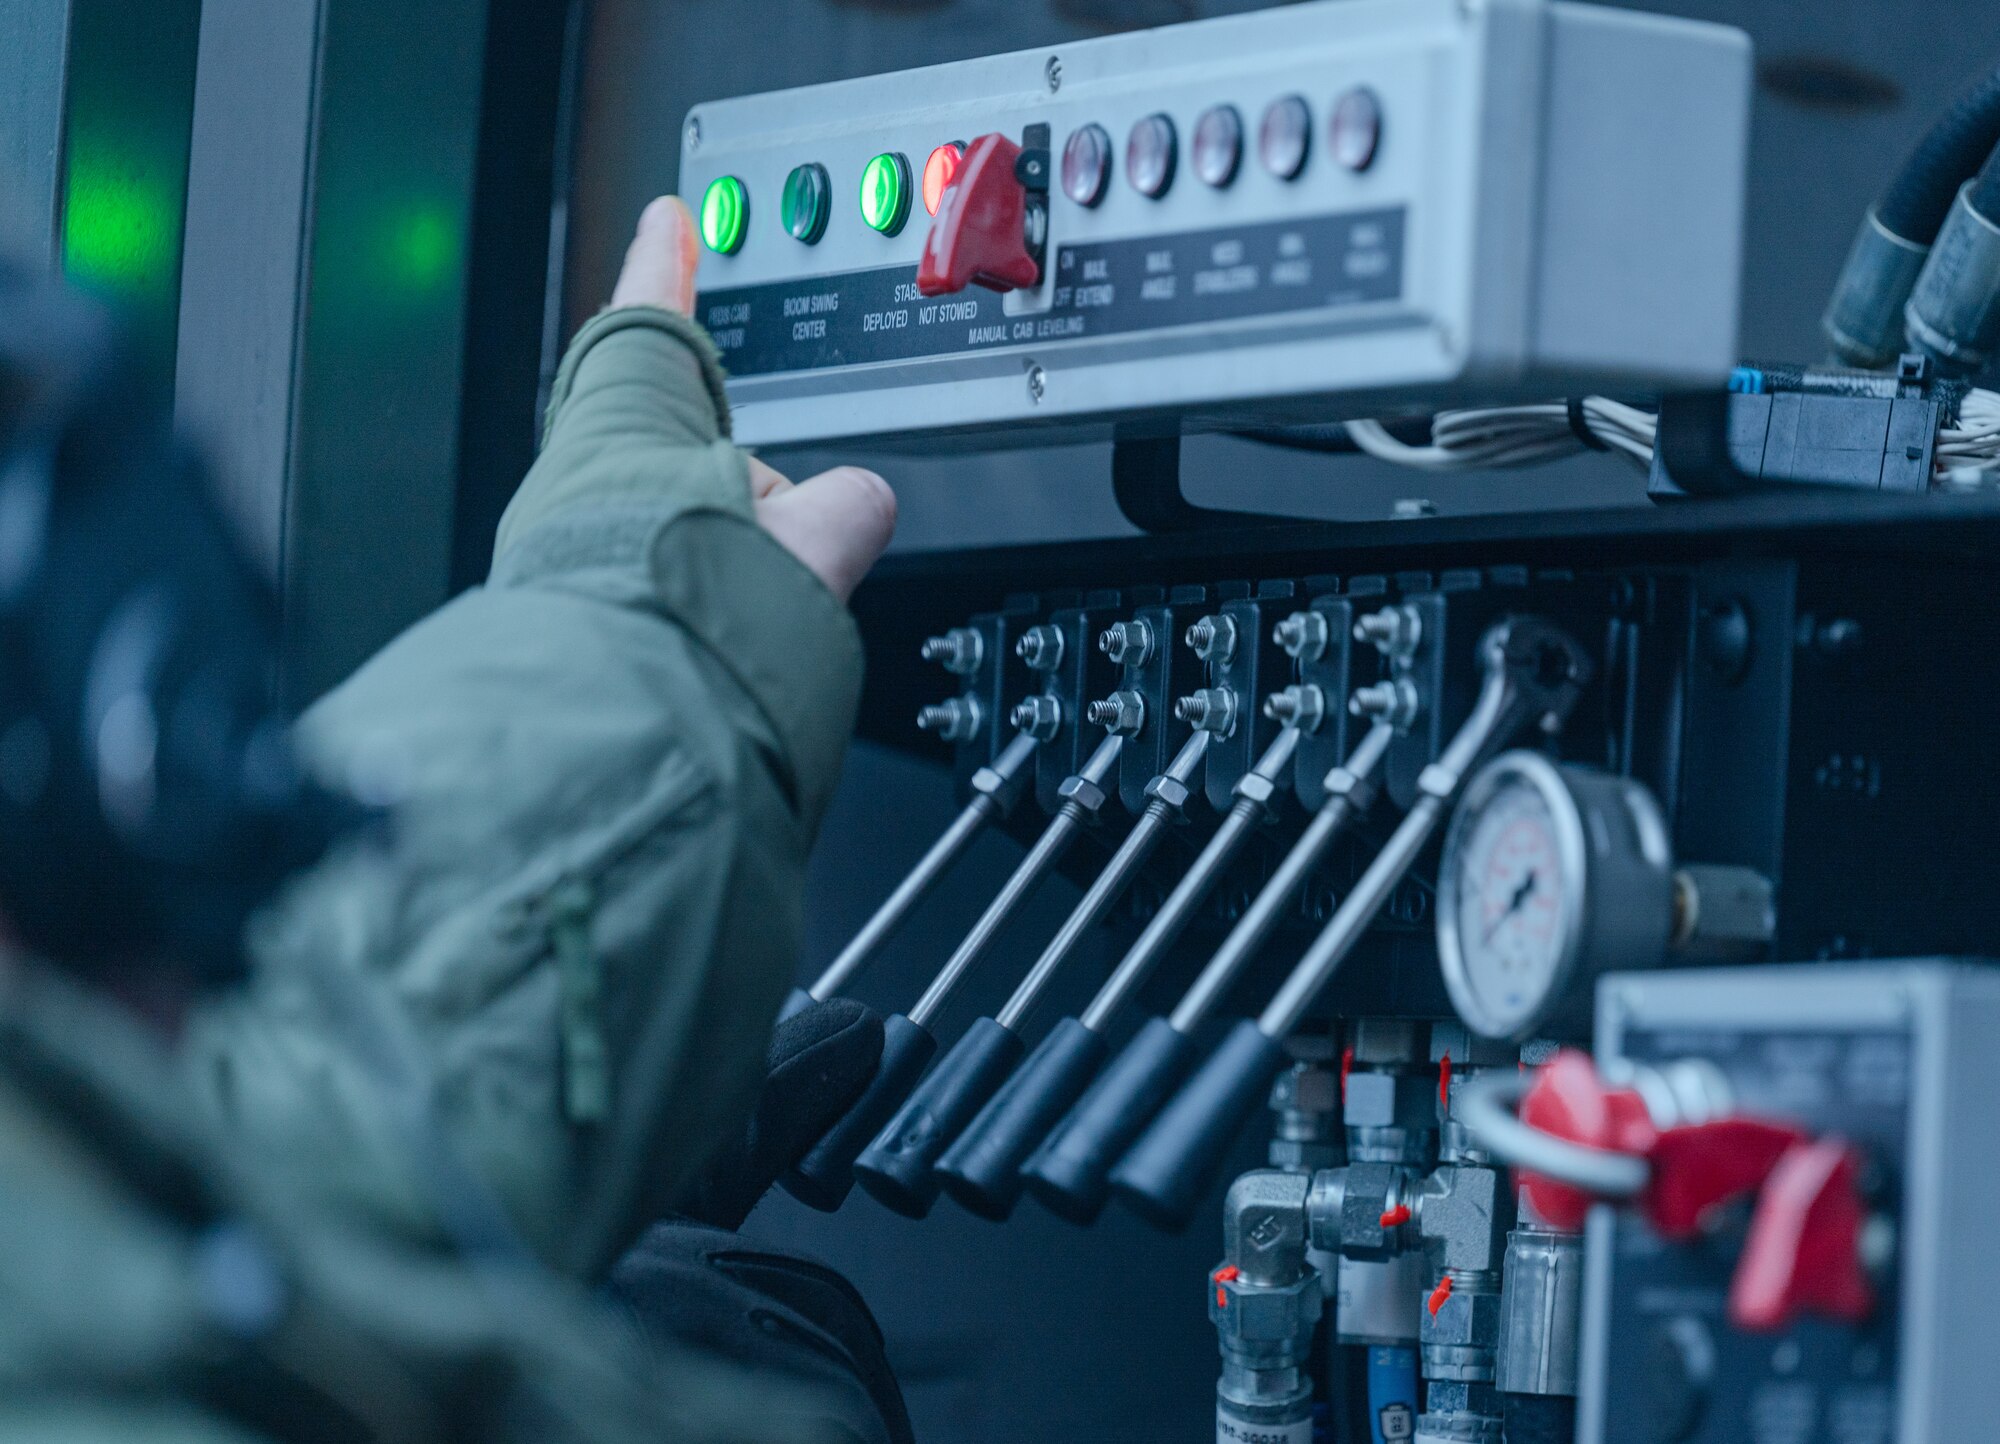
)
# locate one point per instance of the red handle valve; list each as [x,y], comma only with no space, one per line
[1569,1101]
[1692,1166]
[1804,1250]
[980,236]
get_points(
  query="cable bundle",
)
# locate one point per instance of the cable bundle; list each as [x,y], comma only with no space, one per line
[1517,435]
[1968,451]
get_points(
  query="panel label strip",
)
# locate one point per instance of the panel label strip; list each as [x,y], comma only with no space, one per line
[1102,288]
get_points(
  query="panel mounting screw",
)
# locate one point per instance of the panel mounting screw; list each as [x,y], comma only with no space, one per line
[1052,72]
[1038,383]
[694,132]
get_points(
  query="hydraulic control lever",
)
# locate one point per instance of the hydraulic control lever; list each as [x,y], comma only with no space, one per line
[898,1168]
[995,791]
[1070,1171]
[982,1170]
[822,1179]
[1530,671]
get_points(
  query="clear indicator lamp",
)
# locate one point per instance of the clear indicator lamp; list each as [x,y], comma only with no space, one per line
[725,215]
[885,192]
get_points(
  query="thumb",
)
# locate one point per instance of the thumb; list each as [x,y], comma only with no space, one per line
[660,262]
[837,523]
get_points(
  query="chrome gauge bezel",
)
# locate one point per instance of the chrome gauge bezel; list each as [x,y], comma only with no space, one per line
[1509,770]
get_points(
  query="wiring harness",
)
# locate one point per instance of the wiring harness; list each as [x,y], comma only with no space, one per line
[1968,449]
[1967,453]
[1496,436]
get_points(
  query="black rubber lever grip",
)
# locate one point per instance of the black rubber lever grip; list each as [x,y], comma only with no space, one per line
[982,1170]
[899,1167]
[1168,1170]
[825,1175]
[1071,1172]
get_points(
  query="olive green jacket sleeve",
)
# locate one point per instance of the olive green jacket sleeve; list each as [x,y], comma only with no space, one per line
[607,767]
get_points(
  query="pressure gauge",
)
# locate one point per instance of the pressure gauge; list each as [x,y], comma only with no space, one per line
[1551,875]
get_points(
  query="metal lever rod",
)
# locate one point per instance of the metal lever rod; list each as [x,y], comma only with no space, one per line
[1528,669]
[995,791]
[1495,715]
[899,1167]
[1110,884]
[1048,850]
[1193,888]
[1350,788]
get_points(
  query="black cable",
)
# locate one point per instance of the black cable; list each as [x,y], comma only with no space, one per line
[1985,196]
[1916,202]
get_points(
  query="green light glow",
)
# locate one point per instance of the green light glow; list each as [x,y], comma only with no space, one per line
[423,250]
[121,224]
[885,192]
[725,214]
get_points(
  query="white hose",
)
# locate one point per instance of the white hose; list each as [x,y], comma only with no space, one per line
[1486,1107]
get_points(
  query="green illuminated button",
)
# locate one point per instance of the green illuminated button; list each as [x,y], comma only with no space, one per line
[725,214]
[885,192]
[807,199]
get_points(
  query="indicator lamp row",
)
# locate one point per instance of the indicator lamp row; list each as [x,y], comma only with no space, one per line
[806,203]
[1284,140]
[1152,153]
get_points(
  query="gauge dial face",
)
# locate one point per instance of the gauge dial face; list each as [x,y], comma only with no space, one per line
[1512,924]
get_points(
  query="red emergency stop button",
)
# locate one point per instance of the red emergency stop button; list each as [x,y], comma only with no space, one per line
[981,234]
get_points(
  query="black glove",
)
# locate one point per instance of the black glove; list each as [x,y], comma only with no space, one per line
[771,1311]
[817,1065]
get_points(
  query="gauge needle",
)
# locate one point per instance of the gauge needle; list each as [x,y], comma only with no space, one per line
[1521,895]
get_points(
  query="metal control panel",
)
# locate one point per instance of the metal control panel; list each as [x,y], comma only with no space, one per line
[1890,1058]
[1305,213]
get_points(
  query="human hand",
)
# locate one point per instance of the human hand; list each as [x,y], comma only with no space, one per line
[836,523]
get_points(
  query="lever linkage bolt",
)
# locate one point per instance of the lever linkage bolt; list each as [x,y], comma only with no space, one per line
[960,650]
[1039,716]
[1212,709]
[1302,636]
[1394,702]
[1041,648]
[1213,639]
[1127,644]
[1123,713]
[1393,631]
[1300,706]
[954,720]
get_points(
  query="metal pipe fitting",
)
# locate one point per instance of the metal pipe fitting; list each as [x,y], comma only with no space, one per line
[1953,315]
[1864,319]
[1541,1312]
[1265,1301]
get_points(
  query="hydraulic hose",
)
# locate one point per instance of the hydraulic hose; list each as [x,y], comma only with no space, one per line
[1916,202]
[1864,320]
[1953,315]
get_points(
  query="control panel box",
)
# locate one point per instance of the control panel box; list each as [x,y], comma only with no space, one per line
[1310,212]
[1893,1058]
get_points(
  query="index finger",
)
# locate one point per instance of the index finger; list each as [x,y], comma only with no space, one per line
[660,263]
